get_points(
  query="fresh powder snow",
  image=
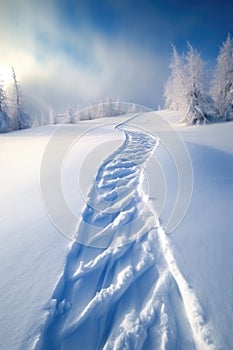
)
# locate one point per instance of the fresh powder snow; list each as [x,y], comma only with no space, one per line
[121,277]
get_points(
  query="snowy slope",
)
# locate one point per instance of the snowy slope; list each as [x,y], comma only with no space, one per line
[125,284]
[33,251]
[206,231]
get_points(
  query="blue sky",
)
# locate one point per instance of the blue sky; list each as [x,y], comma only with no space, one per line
[76,52]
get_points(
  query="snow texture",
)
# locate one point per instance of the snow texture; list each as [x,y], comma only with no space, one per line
[158,291]
[130,294]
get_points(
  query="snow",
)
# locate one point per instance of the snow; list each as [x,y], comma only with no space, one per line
[115,279]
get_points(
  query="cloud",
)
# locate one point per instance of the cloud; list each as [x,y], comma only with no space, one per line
[60,65]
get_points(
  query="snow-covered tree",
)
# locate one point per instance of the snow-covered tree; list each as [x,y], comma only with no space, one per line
[184,90]
[195,94]
[68,115]
[222,85]
[105,108]
[174,90]
[2,96]
[21,120]
[4,118]
[4,122]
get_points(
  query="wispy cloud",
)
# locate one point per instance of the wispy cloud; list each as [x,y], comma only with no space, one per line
[59,65]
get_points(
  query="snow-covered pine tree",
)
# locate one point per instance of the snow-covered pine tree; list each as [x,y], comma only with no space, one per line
[184,91]
[2,96]
[174,89]
[195,99]
[222,85]
[4,119]
[68,115]
[108,108]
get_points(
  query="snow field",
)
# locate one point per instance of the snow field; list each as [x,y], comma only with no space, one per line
[130,294]
[156,292]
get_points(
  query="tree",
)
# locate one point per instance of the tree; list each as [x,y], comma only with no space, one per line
[184,91]
[93,110]
[222,84]
[23,120]
[195,94]
[68,115]
[174,90]
[105,108]
[4,119]
[2,96]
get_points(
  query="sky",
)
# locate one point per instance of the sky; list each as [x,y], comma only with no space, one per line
[76,52]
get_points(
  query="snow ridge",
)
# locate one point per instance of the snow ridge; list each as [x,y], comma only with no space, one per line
[123,289]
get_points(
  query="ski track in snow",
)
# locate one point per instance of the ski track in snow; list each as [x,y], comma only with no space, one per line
[130,295]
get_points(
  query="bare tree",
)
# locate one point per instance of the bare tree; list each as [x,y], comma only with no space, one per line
[22,118]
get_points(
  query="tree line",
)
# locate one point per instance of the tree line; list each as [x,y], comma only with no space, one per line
[104,108]
[188,92]
[14,117]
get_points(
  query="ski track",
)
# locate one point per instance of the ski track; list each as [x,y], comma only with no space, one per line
[130,295]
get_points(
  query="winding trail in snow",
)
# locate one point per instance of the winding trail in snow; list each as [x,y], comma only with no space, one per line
[121,288]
